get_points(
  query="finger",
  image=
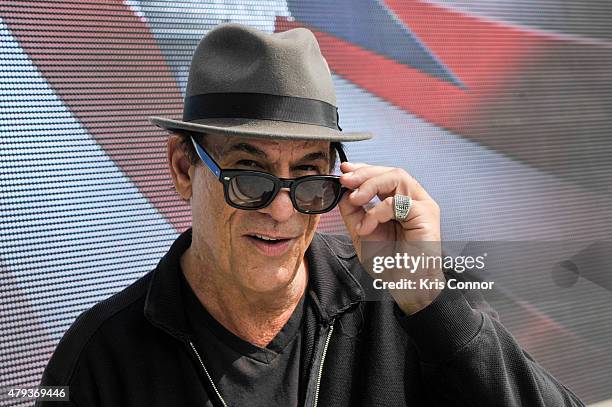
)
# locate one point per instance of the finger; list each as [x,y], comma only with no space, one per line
[382,185]
[356,177]
[396,181]
[348,166]
[381,213]
[352,215]
[384,212]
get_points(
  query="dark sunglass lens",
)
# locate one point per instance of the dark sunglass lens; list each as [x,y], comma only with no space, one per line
[250,191]
[317,194]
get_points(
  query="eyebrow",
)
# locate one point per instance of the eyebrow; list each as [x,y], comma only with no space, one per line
[247,148]
[250,149]
[319,155]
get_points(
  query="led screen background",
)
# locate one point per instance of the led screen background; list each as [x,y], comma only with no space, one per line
[501,109]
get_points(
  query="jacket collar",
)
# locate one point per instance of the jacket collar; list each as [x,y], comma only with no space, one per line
[331,282]
[331,286]
[164,303]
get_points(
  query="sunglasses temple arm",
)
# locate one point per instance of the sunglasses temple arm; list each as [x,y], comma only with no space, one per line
[341,153]
[207,159]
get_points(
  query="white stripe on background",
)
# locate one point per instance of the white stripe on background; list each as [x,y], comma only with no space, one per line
[73,228]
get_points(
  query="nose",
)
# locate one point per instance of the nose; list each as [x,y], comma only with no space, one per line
[281,208]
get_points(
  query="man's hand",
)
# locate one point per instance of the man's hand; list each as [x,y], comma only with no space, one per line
[377,223]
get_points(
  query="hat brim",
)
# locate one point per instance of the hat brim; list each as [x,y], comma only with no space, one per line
[257,128]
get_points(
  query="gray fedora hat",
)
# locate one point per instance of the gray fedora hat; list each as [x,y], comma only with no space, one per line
[246,82]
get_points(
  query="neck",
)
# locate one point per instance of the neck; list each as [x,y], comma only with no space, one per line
[253,316]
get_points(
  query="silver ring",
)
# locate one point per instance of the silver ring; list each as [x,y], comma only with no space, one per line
[401,207]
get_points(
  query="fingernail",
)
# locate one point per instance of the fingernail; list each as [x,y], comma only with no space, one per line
[355,193]
[348,174]
[358,226]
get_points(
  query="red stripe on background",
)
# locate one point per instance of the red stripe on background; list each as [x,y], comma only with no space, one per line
[105,65]
[482,54]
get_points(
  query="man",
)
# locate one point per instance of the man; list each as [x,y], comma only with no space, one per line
[251,307]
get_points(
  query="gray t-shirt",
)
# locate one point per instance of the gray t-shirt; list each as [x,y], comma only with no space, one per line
[246,374]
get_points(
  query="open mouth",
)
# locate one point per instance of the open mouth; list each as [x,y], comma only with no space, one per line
[268,240]
[271,246]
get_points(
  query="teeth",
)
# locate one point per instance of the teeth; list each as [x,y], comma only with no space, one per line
[266,238]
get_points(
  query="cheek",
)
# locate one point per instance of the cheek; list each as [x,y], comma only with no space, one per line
[207,192]
[209,209]
[311,223]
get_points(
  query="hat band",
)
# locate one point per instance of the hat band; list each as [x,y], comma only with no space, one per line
[260,106]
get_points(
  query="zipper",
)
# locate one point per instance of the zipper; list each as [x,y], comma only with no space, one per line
[318,386]
[223,403]
[314,384]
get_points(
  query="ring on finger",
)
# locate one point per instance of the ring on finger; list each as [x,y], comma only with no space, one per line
[401,207]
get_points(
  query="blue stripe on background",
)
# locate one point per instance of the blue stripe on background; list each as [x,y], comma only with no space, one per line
[373,26]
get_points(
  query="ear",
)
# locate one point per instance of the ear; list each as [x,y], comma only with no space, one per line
[180,167]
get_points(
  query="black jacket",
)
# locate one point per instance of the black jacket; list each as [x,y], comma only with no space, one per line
[134,349]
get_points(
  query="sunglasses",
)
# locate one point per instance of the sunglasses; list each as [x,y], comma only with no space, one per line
[252,190]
